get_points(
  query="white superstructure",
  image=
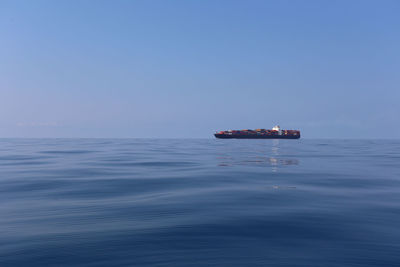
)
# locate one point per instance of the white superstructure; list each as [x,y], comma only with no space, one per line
[277,128]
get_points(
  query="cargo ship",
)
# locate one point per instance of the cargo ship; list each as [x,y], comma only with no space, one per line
[275,133]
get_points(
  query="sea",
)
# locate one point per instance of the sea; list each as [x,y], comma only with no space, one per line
[199,202]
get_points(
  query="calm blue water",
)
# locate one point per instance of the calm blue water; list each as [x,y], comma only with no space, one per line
[205,202]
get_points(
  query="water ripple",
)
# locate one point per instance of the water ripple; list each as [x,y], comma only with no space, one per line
[199,202]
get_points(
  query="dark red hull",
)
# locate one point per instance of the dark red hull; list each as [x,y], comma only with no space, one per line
[256,136]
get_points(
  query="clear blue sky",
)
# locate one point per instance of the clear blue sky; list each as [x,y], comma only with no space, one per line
[187,68]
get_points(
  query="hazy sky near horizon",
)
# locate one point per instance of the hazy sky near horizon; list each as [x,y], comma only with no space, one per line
[187,68]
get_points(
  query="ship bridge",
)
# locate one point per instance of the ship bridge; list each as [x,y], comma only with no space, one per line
[278,129]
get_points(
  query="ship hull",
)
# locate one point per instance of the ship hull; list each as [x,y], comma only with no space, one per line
[245,136]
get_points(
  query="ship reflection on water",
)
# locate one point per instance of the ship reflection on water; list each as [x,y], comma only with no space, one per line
[264,156]
[256,161]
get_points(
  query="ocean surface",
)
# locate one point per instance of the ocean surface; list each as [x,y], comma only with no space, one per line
[199,202]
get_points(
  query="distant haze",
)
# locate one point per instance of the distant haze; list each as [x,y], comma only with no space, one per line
[188,68]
